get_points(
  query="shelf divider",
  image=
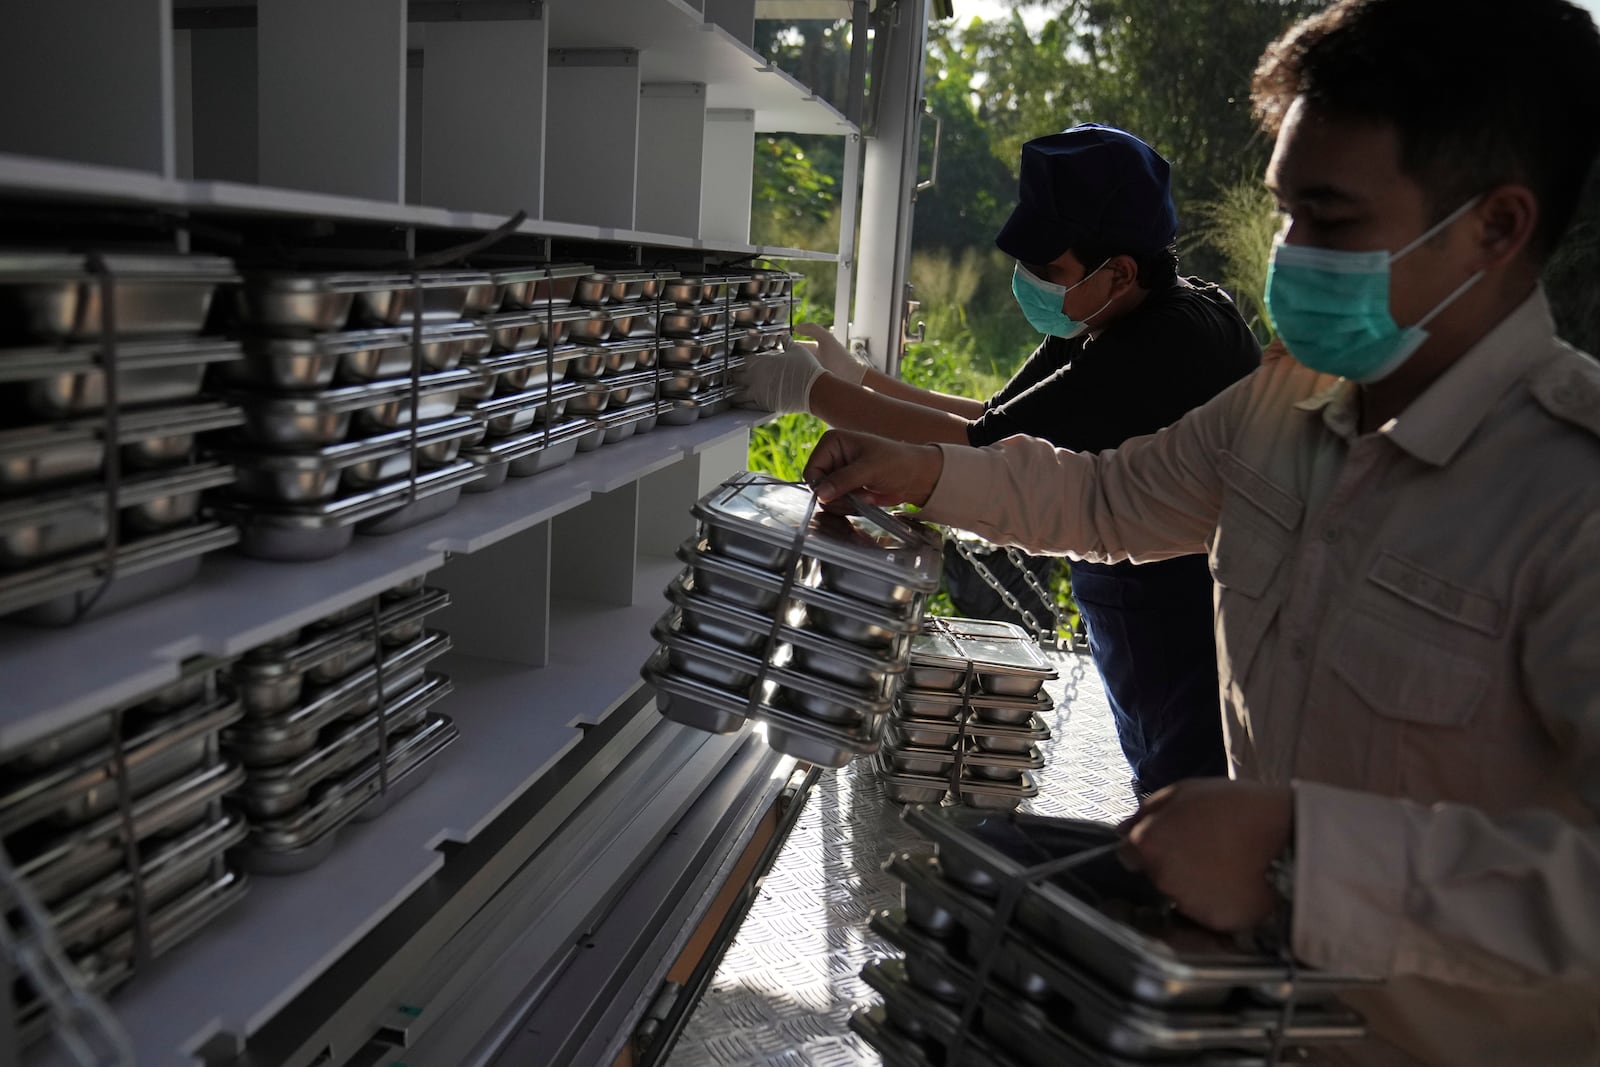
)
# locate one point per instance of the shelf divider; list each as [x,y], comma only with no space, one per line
[333,96]
[672,133]
[500,599]
[592,136]
[592,548]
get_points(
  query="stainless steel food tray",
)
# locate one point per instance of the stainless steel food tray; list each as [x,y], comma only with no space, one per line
[692,322]
[518,372]
[319,302]
[757,339]
[59,453]
[526,454]
[942,704]
[64,382]
[1081,1008]
[312,420]
[58,864]
[316,475]
[619,287]
[690,353]
[1015,739]
[306,838]
[847,618]
[618,424]
[56,295]
[299,364]
[508,416]
[53,594]
[870,555]
[632,321]
[167,868]
[319,531]
[57,522]
[616,391]
[538,327]
[527,287]
[693,383]
[1183,965]
[262,740]
[1005,658]
[681,411]
[279,789]
[272,681]
[705,706]
[86,787]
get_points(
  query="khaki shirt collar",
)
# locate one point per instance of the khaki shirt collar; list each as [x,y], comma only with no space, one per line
[1438,422]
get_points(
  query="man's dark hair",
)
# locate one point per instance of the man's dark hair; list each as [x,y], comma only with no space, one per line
[1480,92]
[1156,269]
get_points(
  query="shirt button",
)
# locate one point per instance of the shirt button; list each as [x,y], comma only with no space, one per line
[1331,535]
[1297,650]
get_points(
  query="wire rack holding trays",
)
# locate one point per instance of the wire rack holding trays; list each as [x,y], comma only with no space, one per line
[1027,943]
[795,616]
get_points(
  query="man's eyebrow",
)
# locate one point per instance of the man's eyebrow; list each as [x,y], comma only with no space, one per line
[1313,194]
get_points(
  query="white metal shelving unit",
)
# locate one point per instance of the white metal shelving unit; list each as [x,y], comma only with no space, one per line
[625,129]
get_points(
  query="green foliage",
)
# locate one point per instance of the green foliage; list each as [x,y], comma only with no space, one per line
[1572,277]
[1238,227]
[792,196]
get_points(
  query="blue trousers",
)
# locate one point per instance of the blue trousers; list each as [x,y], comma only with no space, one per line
[1151,636]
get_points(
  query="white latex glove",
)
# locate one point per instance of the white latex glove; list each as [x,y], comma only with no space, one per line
[778,381]
[834,357]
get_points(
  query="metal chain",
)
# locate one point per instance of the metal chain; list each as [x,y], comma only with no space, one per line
[80,1015]
[1006,597]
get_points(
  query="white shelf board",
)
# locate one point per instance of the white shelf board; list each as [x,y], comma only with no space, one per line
[515,723]
[31,177]
[55,678]
[676,44]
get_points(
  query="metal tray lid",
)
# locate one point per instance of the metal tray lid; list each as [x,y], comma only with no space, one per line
[612,382]
[630,344]
[528,443]
[632,275]
[1035,729]
[323,645]
[346,398]
[535,316]
[512,275]
[18,267]
[501,362]
[1038,703]
[26,364]
[167,421]
[697,553]
[549,393]
[992,648]
[348,453]
[85,570]
[362,281]
[56,504]
[348,744]
[870,540]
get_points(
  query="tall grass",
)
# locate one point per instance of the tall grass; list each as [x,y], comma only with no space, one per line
[1239,226]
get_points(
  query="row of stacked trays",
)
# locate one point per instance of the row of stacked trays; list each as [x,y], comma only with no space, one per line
[970,718]
[350,384]
[336,723]
[153,771]
[792,615]
[100,477]
[1090,966]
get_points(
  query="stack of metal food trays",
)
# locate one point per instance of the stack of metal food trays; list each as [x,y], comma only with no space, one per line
[614,378]
[337,723]
[795,616]
[350,384]
[1081,964]
[115,828]
[970,718]
[714,324]
[100,484]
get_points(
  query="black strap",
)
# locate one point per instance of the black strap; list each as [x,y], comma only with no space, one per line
[130,844]
[456,253]
[791,573]
[383,695]
[416,383]
[964,716]
[105,281]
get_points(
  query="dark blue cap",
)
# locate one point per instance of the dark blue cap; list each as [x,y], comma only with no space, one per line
[1090,186]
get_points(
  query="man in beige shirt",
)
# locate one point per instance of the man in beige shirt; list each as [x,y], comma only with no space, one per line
[1402,516]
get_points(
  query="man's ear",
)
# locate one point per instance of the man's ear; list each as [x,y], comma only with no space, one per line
[1124,271]
[1506,218]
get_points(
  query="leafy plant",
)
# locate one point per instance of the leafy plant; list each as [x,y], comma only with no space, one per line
[1238,227]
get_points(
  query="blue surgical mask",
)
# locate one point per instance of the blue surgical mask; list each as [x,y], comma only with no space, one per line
[1041,303]
[1332,308]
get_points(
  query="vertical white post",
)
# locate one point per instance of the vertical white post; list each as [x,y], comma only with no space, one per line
[728,175]
[849,208]
[593,549]
[223,73]
[672,133]
[89,81]
[738,17]
[891,177]
[332,103]
[483,115]
[592,137]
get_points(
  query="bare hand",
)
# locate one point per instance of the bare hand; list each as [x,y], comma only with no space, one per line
[833,355]
[885,472]
[1208,843]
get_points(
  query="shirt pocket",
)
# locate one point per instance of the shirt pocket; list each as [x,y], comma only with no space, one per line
[1257,529]
[1410,666]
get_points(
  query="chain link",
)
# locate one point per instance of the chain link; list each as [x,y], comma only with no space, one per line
[80,1015]
[1028,618]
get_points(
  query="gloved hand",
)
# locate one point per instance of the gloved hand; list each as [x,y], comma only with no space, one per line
[778,381]
[834,357]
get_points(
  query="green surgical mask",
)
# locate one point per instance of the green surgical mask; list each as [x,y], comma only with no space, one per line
[1041,302]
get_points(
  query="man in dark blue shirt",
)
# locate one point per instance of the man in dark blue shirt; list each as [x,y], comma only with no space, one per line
[1130,346]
